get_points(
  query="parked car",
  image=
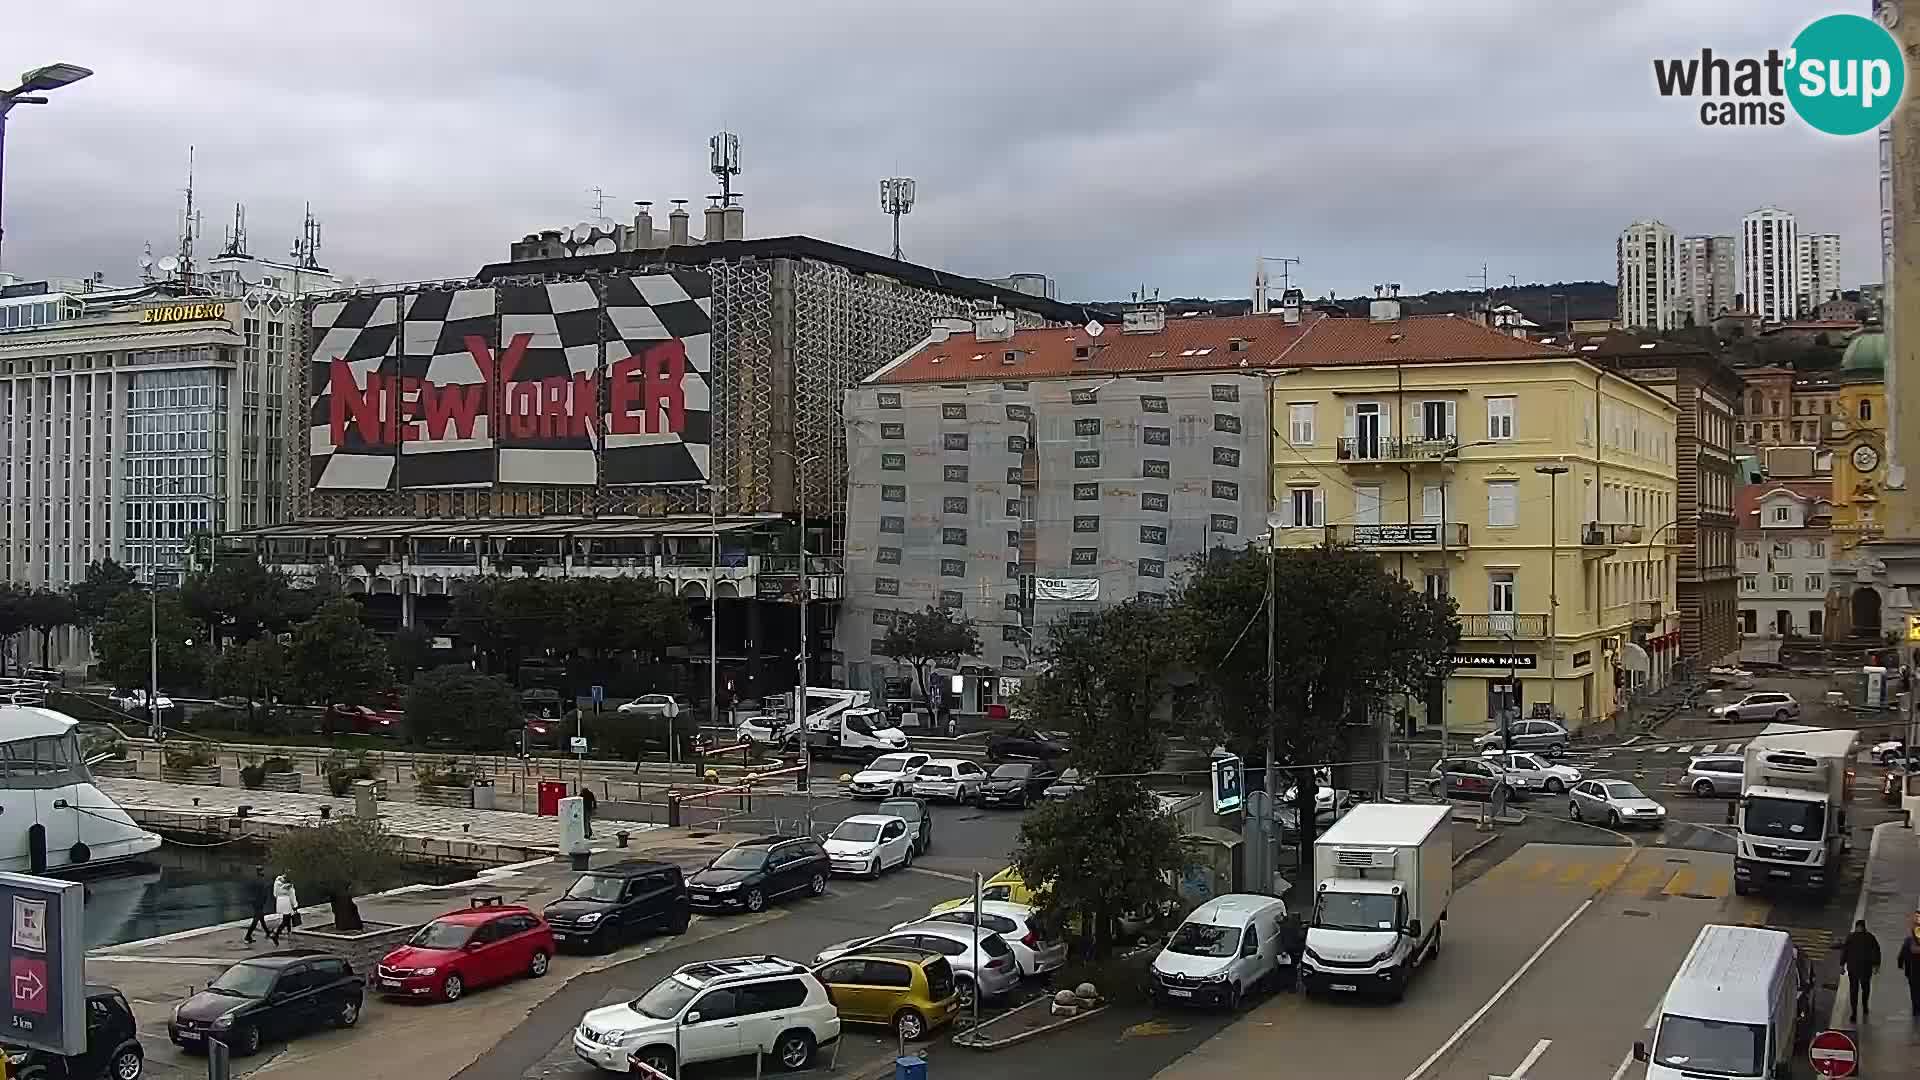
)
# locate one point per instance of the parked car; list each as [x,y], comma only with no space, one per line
[1227,946]
[1533,772]
[665,705]
[1714,774]
[271,996]
[992,969]
[113,1046]
[134,703]
[613,904]
[1543,736]
[752,873]
[1004,886]
[887,776]
[911,992]
[1326,799]
[1891,752]
[1033,954]
[1025,743]
[488,942]
[1615,802]
[869,844]
[1467,778]
[1016,783]
[954,779]
[917,815]
[1069,784]
[711,1011]
[1762,705]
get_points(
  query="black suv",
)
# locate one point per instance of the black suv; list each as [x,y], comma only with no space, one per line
[113,1046]
[611,904]
[1017,783]
[270,996]
[758,870]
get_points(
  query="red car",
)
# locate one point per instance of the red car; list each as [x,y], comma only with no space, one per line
[487,943]
[367,720]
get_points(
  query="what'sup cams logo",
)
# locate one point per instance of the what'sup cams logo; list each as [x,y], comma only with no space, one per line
[1843,75]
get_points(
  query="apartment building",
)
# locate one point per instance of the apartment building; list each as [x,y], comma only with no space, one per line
[1703,277]
[1817,270]
[1648,289]
[1768,264]
[1524,480]
[1786,542]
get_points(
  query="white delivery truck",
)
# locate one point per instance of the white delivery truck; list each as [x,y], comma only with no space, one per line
[1793,808]
[1385,875]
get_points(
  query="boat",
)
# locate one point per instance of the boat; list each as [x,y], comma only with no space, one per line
[45,786]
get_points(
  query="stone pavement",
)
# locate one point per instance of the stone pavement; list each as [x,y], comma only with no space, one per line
[1889,1036]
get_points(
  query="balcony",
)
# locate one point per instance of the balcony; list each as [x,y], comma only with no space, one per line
[1648,612]
[1401,537]
[1500,627]
[1394,449]
[1599,539]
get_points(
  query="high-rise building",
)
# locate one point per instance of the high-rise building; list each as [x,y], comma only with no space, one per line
[1817,265]
[1703,277]
[1769,249]
[1644,257]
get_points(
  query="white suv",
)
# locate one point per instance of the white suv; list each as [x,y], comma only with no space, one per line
[1765,705]
[710,1011]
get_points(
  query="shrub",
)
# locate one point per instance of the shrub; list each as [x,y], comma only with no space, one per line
[253,775]
[278,763]
[104,742]
[442,774]
[188,758]
[342,770]
[336,861]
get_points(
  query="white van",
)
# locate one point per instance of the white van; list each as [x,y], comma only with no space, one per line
[1229,945]
[1736,1009]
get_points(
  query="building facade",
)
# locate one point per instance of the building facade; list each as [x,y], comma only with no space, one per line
[1645,260]
[1703,276]
[1817,267]
[1786,544]
[1769,264]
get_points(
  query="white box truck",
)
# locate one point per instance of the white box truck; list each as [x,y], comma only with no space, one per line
[1793,808]
[1385,874]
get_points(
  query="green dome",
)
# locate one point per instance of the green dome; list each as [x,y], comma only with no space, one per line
[1866,352]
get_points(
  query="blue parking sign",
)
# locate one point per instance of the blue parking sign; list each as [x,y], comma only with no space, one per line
[1229,788]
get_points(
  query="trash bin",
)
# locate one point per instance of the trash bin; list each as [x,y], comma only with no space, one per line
[483,794]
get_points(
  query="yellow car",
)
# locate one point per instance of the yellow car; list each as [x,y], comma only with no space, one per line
[908,990]
[1004,886]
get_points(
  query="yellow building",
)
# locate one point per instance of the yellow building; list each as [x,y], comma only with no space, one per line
[1525,481]
[1856,437]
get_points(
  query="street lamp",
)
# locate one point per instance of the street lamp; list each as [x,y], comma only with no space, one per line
[32,84]
[1553,473]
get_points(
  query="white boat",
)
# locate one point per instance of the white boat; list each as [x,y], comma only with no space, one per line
[45,784]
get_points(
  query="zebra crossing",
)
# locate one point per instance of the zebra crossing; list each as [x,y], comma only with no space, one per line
[1691,749]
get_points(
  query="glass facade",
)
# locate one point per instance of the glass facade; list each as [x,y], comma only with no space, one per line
[175,462]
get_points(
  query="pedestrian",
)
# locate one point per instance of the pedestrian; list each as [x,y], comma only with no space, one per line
[586,807]
[259,901]
[1909,962]
[1860,959]
[286,904]
[1293,945]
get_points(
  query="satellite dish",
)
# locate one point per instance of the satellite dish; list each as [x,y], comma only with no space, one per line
[1094,329]
[169,264]
[604,225]
[1276,520]
[604,246]
[582,233]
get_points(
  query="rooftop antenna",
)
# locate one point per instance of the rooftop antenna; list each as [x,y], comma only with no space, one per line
[1287,263]
[600,208]
[189,229]
[896,201]
[306,250]
[723,161]
[146,263]
[237,233]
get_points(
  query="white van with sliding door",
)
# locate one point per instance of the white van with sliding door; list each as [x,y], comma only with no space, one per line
[1228,946]
[1737,1008]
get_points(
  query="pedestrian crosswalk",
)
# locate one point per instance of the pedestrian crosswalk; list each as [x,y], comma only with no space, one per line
[1695,748]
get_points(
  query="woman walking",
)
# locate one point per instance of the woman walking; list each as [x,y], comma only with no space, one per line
[1909,961]
[286,903]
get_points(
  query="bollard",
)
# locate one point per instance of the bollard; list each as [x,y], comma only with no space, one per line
[673,808]
[326,812]
[242,810]
[620,837]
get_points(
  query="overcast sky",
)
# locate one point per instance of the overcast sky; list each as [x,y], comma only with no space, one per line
[1109,143]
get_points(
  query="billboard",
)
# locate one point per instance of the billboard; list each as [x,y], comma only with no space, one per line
[601,382]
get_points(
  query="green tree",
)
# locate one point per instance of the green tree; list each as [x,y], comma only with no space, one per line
[237,599]
[457,703]
[1349,634]
[335,659]
[13,618]
[255,671]
[409,652]
[933,638]
[337,863]
[120,641]
[1103,853]
[47,611]
[93,596]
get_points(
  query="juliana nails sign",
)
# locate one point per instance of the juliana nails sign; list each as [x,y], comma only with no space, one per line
[172,313]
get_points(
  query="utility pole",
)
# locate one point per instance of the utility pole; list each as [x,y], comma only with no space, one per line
[156,725]
[1553,473]
[713,605]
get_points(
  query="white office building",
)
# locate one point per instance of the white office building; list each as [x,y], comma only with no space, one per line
[1644,258]
[1769,277]
[134,419]
[1703,277]
[1817,265]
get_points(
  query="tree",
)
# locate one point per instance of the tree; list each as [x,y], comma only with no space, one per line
[1350,634]
[335,659]
[409,652]
[255,671]
[337,862]
[120,641]
[47,611]
[238,599]
[93,596]
[457,703]
[13,617]
[1100,854]
[928,639]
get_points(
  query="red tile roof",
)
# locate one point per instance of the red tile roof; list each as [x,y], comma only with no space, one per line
[1746,503]
[1203,344]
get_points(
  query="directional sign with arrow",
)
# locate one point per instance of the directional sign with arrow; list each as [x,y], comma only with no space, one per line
[45,964]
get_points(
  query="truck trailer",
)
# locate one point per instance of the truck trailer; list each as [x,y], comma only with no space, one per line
[1385,875]
[1794,791]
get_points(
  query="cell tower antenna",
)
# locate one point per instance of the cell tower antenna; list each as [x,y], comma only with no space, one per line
[189,228]
[723,161]
[237,232]
[896,200]
[1287,263]
[306,250]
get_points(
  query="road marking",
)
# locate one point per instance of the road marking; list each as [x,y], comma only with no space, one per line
[1526,1063]
[1709,749]
[1680,883]
[962,878]
[1643,879]
[1480,1013]
[1573,873]
[1687,749]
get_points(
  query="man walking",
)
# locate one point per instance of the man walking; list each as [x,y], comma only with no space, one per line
[1860,958]
[587,802]
[259,897]
[1909,961]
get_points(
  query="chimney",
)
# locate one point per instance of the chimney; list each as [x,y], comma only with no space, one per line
[736,223]
[677,225]
[643,226]
[716,221]
[1290,304]
[1386,304]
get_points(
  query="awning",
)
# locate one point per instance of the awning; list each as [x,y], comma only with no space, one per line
[585,528]
[1634,658]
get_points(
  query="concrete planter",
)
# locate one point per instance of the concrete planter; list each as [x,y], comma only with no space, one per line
[437,795]
[119,768]
[282,781]
[208,775]
[379,789]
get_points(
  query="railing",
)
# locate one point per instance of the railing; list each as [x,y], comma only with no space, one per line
[1609,534]
[1418,535]
[1519,627]
[1394,448]
[790,564]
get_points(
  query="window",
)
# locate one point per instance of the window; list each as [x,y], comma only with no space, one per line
[1749,582]
[1500,594]
[1153,404]
[1300,423]
[1432,503]
[1226,392]
[955,440]
[893,493]
[1366,505]
[1503,503]
[1780,514]
[1086,492]
[954,537]
[1154,568]
[768,996]
[1156,470]
[1749,549]
[1085,397]
[886,586]
[888,401]
[1019,413]
[953,412]
[952,599]
[1156,436]
[1226,489]
[1226,422]
[1087,426]
[1016,444]
[1226,455]
[1309,508]
[1085,556]
[953,568]
[1436,420]
[1816,583]
[1773,407]
[1154,500]
[1783,549]
[893,462]
[1782,582]
[1817,548]
[1223,523]
[1866,409]
[893,431]
[1086,523]
[953,504]
[1086,459]
[1500,417]
[954,474]
[717,1005]
[1154,534]
[1436,585]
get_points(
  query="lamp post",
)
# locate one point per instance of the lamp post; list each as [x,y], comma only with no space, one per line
[1553,473]
[1450,452]
[713,604]
[29,92]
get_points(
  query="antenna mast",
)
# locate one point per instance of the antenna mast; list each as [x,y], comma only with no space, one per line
[237,232]
[896,200]
[1287,263]
[306,250]
[189,228]
[723,161]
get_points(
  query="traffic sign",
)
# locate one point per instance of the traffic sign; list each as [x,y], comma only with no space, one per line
[1834,1054]
[578,743]
[46,964]
[1228,785]
[599,695]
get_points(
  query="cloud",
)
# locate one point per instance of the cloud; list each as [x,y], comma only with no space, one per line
[1108,144]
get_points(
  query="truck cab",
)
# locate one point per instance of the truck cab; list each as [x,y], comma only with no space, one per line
[1793,824]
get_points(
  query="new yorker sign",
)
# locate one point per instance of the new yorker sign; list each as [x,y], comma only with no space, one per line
[172,313]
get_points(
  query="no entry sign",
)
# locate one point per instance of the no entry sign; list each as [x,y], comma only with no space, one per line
[1833,1054]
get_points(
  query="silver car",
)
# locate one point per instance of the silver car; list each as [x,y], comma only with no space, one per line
[1615,802]
[1713,775]
[1534,772]
[994,969]
[1540,736]
[1765,705]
